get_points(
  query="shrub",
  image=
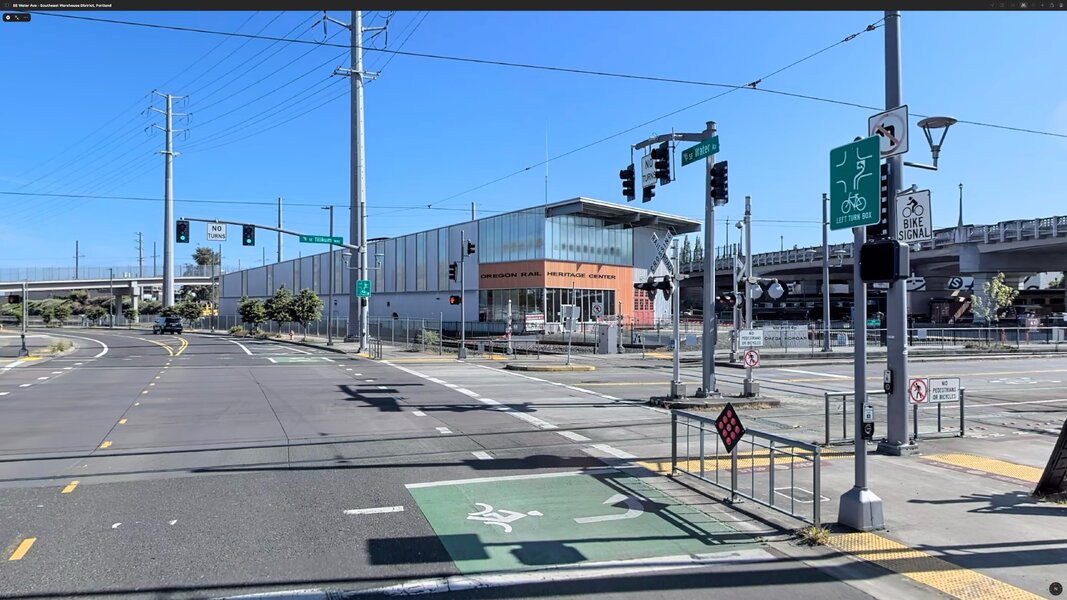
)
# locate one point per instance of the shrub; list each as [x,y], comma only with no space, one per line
[237,329]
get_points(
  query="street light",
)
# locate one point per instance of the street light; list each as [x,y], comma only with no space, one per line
[929,125]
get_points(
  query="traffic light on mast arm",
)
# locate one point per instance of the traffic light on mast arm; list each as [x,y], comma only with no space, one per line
[248,235]
[629,181]
[661,156]
[182,231]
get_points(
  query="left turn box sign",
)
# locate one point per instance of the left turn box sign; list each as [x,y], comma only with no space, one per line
[216,232]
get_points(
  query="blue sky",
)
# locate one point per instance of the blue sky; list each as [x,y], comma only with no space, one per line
[74,94]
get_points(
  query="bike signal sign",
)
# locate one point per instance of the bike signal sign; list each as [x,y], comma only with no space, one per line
[913,220]
[855,194]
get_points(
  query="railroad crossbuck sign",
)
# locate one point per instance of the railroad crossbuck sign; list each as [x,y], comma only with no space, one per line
[661,255]
[913,220]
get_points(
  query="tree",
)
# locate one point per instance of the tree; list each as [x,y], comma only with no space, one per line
[280,308]
[687,250]
[994,301]
[151,307]
[48,313]
[698,251]
[94,313]
[205,256]
[170,311]
[307,307]
[1056,284]
[13,311]
[188,309]
[62,311]
[131,314]
[251,311]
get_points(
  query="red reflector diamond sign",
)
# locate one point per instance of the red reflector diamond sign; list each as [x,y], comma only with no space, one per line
[730,427]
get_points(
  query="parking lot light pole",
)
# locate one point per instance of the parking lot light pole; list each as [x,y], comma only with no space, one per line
[825,273]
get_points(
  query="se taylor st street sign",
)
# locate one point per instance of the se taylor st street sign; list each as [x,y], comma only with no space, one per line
[855,185]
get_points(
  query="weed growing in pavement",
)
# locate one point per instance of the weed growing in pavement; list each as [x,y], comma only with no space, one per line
[813,536]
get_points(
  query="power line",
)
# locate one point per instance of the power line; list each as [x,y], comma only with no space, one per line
[248,37]
[731,87]
[205,55]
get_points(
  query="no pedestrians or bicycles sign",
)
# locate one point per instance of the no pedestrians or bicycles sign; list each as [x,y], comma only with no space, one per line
[918,391]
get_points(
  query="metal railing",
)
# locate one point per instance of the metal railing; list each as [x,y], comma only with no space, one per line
[940,431]
[775,454]
[119,272]
[832,400]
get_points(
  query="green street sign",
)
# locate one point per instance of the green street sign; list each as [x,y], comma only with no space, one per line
[363,288]
[321,239]
[855,184]
[874,322]
[702,150]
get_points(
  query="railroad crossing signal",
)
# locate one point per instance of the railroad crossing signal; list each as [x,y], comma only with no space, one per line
[248,235]
[182,232]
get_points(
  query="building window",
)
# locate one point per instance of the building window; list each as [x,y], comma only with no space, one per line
[401,258]
[442,259]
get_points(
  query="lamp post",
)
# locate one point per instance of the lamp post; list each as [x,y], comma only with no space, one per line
[111,290]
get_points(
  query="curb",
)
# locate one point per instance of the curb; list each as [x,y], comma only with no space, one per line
[545,368]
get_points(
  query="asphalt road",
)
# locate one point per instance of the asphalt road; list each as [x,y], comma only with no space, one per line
[200,466]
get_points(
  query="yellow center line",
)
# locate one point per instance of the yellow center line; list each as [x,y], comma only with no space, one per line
[106,444]
[122,421]
[161,345]
[23,548]
[70,487]
[184,344]
[924,568]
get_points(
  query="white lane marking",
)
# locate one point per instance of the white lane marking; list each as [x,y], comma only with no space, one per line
[78,364]
[116,525]
[418,413]
[444,430]
[573,436]
[348,368]
[26,385]
[41,378]
[78,337]
[4,393]
[374,511]
[467,392]
[614,451]
[435,380]
[555,383]
[308,594]
[481,455]
[243,347]
[14,364]
[294,349]
[634,509]
[382,387]
[67,368]
[592,471]
[268,358]
[816,373]
[172,522]
[1054,400]
[451,385]
[57,372]
[369,380]
[611,568]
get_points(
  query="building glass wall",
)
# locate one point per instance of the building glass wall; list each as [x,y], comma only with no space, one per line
[493,304]
[574,238]
[442,259]
[557,297]
[512,236]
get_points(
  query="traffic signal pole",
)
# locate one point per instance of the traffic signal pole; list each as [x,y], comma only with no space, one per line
[896,440]
[23,351]
[711,325]
[462,292]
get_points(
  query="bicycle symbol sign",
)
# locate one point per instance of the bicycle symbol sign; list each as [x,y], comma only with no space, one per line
[914,222]
[855,185]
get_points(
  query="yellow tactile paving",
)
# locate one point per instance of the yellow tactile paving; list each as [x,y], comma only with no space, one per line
[745,460]
[926,569]
[989,465]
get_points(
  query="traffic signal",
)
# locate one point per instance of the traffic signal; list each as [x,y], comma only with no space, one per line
[882,260]
[647,194]
[649,287]
[470,247]
[881,228]
[248,235]
[629,181]
[665,285]
[14,299]
[182,236]
[729,299]
[455,299]
[661,156]
[719,189]
[452,270]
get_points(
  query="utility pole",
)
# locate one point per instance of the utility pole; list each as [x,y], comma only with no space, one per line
[140,254]
[676,317]
[155,271]
[168,197]
[462,293]
[826,273]
[896,440]
[77,257]
[23,351]
[749,387]
[279,227]
[358,308]
[736,309]
[472,212]
[329,306]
